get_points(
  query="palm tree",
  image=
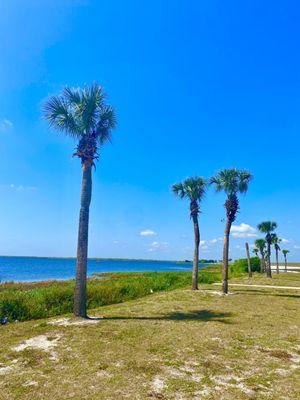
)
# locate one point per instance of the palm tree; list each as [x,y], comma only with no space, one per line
[268,227]
[232,181]
[193,189]
[261,245]
[285,253]
[248,260]
[84,115]
[276,241]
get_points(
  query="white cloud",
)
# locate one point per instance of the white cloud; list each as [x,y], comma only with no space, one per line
[216,240]
[243,231]
[296,247]
[148,232]
[285,240]
[202,242]
[5,125]
[20,188]
[156,246]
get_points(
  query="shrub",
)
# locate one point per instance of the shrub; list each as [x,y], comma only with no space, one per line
[241,266]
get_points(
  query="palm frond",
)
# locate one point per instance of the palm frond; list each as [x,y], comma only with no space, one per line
[231,181]
[106,123]
[72,95]
[267,226]
[80,112]
[192,188]
[60,116]
[178,190]
[260,244]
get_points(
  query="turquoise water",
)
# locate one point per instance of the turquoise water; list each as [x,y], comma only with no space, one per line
[26,269]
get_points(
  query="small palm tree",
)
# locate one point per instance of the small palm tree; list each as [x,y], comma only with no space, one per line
[285,253]
[255,251]
[232,182]
[268,227]
[276,241]
[193,189]
[84,115]
[261,246]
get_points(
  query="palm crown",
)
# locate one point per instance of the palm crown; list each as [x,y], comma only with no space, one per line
[285,252]
[232,181]
[260,244]
[192,189]
[267,227]
[82,114]
[275,241]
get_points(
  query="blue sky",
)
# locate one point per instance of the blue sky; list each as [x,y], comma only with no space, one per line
[197,86]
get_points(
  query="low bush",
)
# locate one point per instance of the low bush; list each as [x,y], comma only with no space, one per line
[241,265]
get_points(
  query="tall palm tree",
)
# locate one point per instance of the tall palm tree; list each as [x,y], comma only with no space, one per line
[84,115]
[248,260]
[193,189]
[261,245]
[285,253]
[276,241]
[268,227]
[232,182]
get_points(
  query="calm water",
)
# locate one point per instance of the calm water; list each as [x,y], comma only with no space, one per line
[24,269]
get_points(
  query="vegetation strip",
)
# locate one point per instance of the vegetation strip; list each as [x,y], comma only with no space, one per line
[263,286]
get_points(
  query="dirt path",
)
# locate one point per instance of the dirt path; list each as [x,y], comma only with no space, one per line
[261,286]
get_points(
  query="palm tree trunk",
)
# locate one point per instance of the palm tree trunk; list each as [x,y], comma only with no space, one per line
[82,245]
[269,270]
[262,262]
[248,260]
[196,253]
[225,258]
[277,263]
[285,264]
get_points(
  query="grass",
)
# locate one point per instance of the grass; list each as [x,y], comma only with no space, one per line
[175,344]
[25,301]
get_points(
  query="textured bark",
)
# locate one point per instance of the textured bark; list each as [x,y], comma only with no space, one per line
[248,260]
[262,261]
[277,262]
[269,271]
[232,207]
[285,263]
[225,258]
[82,246]
[196,253]
[194,211]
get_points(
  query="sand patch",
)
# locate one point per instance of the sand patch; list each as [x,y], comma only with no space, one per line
[75,322]
[41,342]
[5,370]
[158,385]
[228,381]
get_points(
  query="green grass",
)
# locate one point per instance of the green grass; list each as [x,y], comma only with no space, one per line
[170,345]
[25,301]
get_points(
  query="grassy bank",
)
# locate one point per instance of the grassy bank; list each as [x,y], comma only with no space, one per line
[25,301]
[172,345]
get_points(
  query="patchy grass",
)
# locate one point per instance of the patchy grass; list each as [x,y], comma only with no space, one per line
[171,345]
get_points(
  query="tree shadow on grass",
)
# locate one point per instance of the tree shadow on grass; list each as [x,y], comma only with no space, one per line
[266,293]
[201,315]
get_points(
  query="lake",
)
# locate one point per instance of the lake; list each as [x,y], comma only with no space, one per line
[27,269]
